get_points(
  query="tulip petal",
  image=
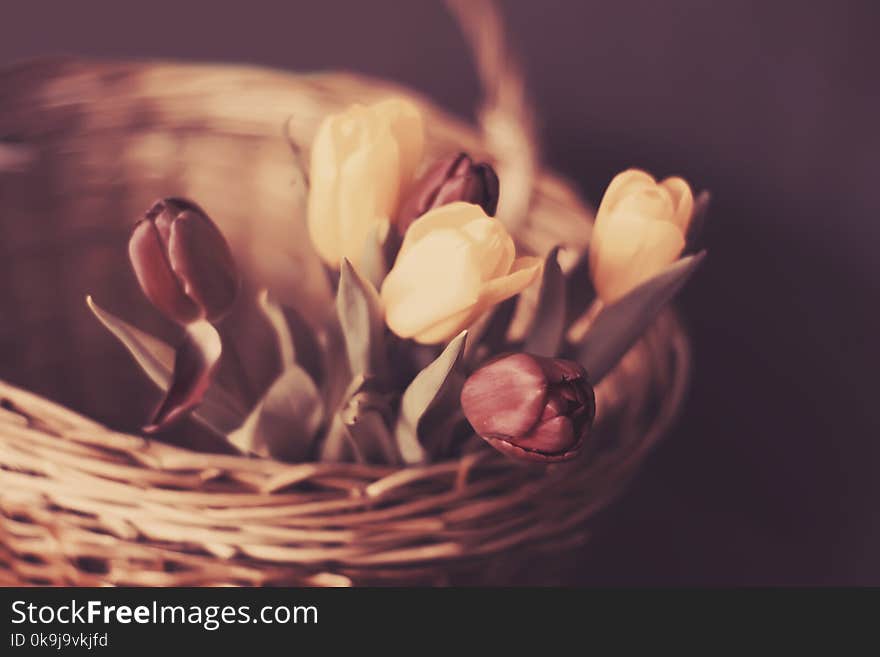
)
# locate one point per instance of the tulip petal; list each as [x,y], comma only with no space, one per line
[405,122]
[424,194]
[519,453]
[682,199]
[325,161]
[492,241]
[631,250]
[455,262]
[440,332]
[491,188]
[488,236]
[432,283]
[505,398]
[621,185]
[550,437]
[523,273]
[654,202]
[365,198]
[454,216]
[493,292]
[155,275]
[200,257]
[347,195]
[338,136]
[453,190]
[194,363]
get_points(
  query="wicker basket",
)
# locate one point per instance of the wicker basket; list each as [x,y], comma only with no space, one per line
[87,145]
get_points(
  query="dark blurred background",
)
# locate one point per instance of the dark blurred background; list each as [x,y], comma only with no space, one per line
[770,476]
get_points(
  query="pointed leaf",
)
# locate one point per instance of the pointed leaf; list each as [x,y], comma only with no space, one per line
[619,326]
[285,421]
[426,388]
[194,363]
[494,335]
[219,410]
[334,366]
[365,418]
[276,319]
[697,224]
[545,335]
[338,446]
[362,321]
[155,357]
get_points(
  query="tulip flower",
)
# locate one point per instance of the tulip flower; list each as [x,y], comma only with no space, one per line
[454,264]
[184,266]
[361,159]
[182,262]
[640,229]
[451,179]
[530,407]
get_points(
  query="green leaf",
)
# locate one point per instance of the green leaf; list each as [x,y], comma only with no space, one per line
[426,389]
[698,221]
[548,327]
[363,322]
[195,361]
[338,446]
[219,410]
[619,326]
[488,335]
[276,319]
[364,415]
[285,422]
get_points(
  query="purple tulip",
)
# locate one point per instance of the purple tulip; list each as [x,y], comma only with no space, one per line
[182,262]
[451,179]
[530,407]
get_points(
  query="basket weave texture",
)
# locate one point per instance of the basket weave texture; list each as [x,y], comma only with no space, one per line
[82,504]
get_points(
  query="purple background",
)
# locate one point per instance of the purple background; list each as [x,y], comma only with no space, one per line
[771,475]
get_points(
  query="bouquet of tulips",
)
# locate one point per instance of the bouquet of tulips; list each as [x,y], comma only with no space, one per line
[419,362]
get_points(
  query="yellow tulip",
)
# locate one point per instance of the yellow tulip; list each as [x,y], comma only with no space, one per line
[360,160]
[454,264]
[640,229]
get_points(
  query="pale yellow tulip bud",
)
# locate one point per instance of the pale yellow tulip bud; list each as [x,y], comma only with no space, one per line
[455,263]
[361,159]
[640,230]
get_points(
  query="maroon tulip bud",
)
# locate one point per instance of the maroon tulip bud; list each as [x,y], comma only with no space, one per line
[529,407]
[183,262]
[451,179]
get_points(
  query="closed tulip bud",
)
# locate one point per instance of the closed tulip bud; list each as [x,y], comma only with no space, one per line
[530,407]
[361,159]
[640,229]
[454,264]
[183,262]
[454,178]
